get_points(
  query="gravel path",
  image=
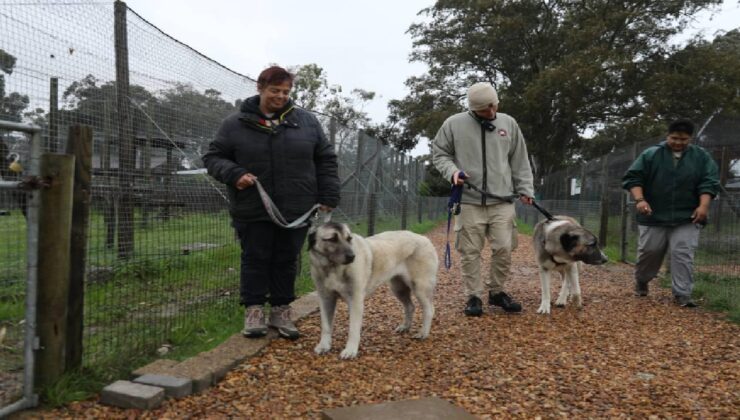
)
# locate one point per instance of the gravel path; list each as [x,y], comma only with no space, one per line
[621,356]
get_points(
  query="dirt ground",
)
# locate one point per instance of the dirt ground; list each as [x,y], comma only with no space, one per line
[621,356]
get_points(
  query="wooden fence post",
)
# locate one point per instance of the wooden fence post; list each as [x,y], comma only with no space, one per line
[79,144]
[126,154]
[55,218]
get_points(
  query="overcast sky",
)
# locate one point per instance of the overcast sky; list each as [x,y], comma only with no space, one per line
[360,44]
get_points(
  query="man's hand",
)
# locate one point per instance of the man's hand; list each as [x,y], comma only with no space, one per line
[456,180]
[526,200]
[700,214]
[246,181]
[643,207]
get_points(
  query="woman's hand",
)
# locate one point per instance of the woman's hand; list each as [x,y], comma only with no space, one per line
[247,180]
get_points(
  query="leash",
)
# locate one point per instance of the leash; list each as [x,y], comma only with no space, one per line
[278,218]
[453,207]
[543,211]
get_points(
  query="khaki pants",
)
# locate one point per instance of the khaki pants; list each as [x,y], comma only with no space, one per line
[473,226]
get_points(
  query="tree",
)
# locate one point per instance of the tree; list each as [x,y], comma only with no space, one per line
[312,91]
[562,68]
[12,104]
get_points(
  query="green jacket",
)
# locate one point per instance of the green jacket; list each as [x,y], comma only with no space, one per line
[672,192]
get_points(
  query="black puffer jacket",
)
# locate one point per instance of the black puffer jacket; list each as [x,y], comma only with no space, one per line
[293,161]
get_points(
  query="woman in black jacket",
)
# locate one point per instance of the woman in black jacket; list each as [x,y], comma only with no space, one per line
[285,148]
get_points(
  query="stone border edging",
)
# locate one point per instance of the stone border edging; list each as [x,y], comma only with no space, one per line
[198,373]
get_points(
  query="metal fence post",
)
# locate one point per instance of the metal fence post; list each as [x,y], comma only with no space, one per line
[404,191]
[419,180]
[604,223]
[374,189]
[30,341]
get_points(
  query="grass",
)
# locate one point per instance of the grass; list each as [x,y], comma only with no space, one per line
[719,293]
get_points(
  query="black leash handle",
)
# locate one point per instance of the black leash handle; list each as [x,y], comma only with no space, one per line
[508,199]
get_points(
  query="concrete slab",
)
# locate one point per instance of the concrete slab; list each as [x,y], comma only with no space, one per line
[195,370]
[422,409]
[173,386]
[127,394]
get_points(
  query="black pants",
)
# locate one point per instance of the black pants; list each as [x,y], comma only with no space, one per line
[269,262]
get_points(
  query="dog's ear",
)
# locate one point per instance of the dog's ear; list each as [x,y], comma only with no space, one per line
[569,241]
[311,240]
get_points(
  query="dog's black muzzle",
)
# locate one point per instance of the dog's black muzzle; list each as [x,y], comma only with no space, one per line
[595,258]
[349,258]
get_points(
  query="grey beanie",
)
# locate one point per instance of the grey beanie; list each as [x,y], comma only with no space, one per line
[480,95]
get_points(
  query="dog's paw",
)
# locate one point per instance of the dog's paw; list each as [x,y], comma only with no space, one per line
[544,308]
[322,348]
[348,353]
[402,328]
[559,305]
[421,335]
[578,300]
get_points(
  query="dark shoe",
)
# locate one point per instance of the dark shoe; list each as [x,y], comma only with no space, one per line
[685,301]
[641,289]
[474,307]
[280,320]
[505,301]
[254,322]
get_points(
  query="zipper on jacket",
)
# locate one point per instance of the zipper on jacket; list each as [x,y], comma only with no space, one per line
[484,166]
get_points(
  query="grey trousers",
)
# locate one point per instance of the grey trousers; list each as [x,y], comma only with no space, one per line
[652,246]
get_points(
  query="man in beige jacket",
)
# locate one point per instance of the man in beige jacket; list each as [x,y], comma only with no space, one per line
[489,148]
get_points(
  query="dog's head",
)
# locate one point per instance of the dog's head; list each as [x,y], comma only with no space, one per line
[582,245]
[333,241]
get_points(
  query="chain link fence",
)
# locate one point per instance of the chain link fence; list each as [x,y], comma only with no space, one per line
[160,250]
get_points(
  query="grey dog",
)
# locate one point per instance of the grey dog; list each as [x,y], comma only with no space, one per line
[559,245]
[346,265]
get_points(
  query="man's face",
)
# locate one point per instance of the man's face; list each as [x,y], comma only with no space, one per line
[274,97]
[678,141]
[487,113]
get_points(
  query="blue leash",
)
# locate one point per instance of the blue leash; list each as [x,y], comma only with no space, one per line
[453,207]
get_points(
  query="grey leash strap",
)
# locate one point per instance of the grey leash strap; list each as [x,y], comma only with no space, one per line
[277,217]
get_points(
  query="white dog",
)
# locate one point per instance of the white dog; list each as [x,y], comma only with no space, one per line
[349,266]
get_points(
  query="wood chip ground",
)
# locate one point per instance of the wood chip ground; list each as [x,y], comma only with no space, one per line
[619,357]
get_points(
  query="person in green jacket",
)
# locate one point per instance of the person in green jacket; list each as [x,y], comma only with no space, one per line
[672,184]
[489,148]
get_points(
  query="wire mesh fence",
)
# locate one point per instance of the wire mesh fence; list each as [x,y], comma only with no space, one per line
[592,193]
[161,251]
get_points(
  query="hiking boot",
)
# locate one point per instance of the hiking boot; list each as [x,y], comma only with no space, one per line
[641,289]
[474,307]
[685,301]
[504,301]
[254,322]
[280,320]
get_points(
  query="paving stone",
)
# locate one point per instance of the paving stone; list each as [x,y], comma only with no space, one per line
[173,386]
[193,369]
[157,367]
[423,409]
[127,394]
[304,306]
